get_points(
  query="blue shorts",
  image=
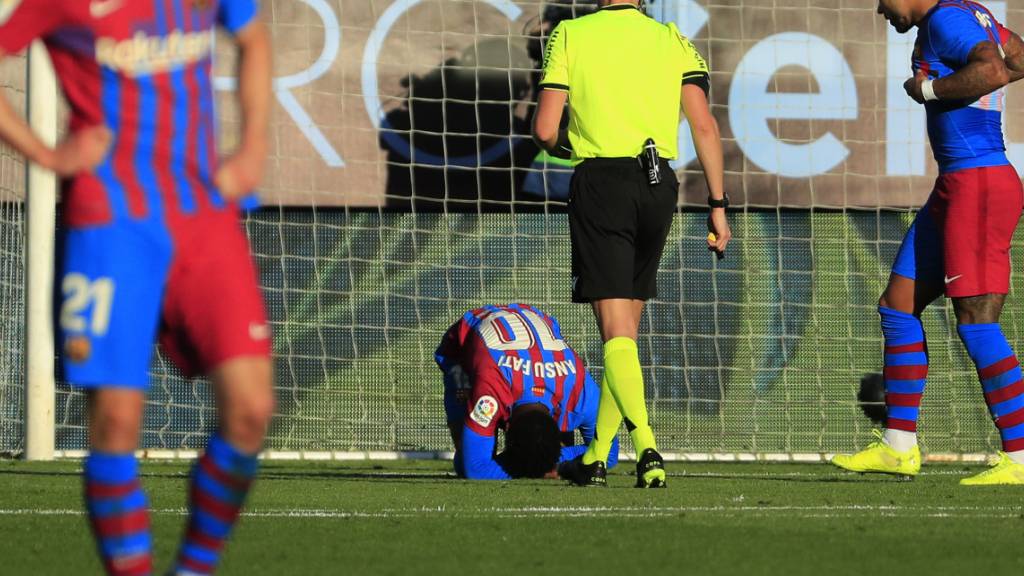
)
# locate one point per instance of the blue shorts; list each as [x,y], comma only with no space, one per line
[110,286]
[920,255]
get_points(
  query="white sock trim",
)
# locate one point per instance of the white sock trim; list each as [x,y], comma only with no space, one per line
[900,440]
[1017,456]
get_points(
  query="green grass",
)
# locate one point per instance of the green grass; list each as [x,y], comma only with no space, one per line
[413,518]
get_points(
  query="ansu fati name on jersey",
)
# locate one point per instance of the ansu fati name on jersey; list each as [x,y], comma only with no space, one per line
[143,54]
[538,369]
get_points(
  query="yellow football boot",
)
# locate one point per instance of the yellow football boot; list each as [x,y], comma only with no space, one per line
[1005,471]
[880,457]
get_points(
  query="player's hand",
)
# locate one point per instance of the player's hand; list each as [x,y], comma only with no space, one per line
[552,474]
[563,148]
[719,231]
[240,173]
[913,86]
[82,151]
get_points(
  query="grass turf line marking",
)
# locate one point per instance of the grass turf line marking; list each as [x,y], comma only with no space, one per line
[824,474]
[820,511]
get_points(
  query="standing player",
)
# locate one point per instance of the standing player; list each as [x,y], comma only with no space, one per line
[624,76]
[152,244]
[959,243]
[507,367]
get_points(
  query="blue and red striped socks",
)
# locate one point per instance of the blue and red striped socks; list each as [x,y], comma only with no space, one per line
[1000,375]
[906,369]
[118,513]
[220,482]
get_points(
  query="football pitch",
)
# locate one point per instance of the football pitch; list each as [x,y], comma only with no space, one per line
[411,517]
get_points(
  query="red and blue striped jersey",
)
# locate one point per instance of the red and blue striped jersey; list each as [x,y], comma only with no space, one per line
[515,355]
[142,68]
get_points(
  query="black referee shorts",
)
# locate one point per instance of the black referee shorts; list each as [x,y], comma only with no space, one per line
[618,225]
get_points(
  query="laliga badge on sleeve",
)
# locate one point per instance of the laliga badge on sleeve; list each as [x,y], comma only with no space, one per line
[484,411]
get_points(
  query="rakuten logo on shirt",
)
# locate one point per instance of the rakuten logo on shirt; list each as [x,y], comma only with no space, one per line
[143,55]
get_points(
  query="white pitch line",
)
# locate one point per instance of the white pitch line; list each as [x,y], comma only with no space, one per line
[357,473]
[821,511]
[827,473]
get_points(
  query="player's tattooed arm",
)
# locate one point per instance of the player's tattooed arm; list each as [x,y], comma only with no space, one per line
[984,73]
[1014,59]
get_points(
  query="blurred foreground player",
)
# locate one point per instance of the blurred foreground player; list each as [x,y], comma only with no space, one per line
[508,368]
[152,245]
[959,243]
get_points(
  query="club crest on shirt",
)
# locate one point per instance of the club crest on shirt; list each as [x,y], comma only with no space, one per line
[484,411]
[77,349]
[201,4]
[7,8]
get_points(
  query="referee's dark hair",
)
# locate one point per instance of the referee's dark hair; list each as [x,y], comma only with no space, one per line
[532,443]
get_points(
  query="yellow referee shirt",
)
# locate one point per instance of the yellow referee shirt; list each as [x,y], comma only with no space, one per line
[623,72]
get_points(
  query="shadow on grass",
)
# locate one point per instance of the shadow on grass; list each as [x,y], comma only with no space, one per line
[381,476]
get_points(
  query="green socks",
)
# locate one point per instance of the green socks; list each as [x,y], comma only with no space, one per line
[624,378]
[608,421]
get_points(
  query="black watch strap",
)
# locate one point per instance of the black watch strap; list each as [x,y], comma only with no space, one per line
[723,203]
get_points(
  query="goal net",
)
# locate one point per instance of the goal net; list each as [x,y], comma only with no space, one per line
[12,269]
[403,189]
[12,181]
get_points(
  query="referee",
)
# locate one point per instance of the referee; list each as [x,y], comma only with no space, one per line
[624,76]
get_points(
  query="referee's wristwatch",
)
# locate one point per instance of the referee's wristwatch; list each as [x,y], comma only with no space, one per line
[723,203]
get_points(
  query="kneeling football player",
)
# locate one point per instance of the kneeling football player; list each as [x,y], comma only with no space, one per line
[508,368]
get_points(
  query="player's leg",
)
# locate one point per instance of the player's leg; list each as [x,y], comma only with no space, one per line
[116,504]
[905,357]
[619,324]
[987,205]
[1000,375]
[110,283]
[244,391]
[655,207]
[615,321]
[602,228]
[915,282]
[215,323]
[223,475]
[609,418]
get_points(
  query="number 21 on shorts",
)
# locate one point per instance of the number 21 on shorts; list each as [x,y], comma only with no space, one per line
[87,304]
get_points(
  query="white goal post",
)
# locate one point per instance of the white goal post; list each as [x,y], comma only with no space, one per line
[41,212]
